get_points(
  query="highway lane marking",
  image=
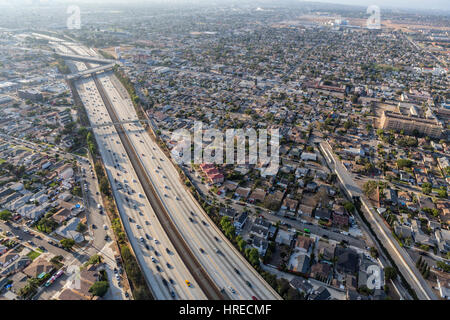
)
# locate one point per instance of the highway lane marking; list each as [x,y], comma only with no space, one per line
[130,240]
[146,146]
[191,233]
[193,205]
[127,134]
[139,232]
[174,250]
[151,183]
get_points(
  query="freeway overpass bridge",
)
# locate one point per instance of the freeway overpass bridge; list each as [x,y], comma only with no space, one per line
[89,72]
[107,124]
[79,58]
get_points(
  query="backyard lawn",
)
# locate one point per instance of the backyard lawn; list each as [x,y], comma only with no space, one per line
[33,255]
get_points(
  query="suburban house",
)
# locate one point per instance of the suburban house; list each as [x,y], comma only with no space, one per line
[304,245]
[38,268]
[240,220]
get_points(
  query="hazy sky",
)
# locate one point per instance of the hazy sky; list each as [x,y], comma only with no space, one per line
[411,4]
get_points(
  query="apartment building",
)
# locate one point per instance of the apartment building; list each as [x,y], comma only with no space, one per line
[396,121]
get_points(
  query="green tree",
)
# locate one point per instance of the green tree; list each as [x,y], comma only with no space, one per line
[96,258]
[442,192]
[99,288]
[270,278]
[447,171]
[443,266]
[230,231]
[419,263]
[81,227]
[76,191]
[390,273]
[374,252]
[99,169]
[283,286]
[365,290]
[253,256]
[90,140]
[30,288]
[5,215]
[67,243]
[227,227]
[293,294]
[56,261]
[133,271]
[46,224]
[349,206]
[104,186]
[426,273]
[426,187]
[369,187]
[402,163]
[241,244]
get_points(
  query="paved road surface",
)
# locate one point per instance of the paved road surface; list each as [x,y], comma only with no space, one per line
[143,220]
[398,254]
[169,187]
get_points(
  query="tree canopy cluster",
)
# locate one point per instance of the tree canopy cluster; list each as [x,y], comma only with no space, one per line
[227,227]
[5,215]
[92,145]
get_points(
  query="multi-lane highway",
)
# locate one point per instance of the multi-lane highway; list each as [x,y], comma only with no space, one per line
[162,266]
[219,258]
[216,255]
[149,241]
